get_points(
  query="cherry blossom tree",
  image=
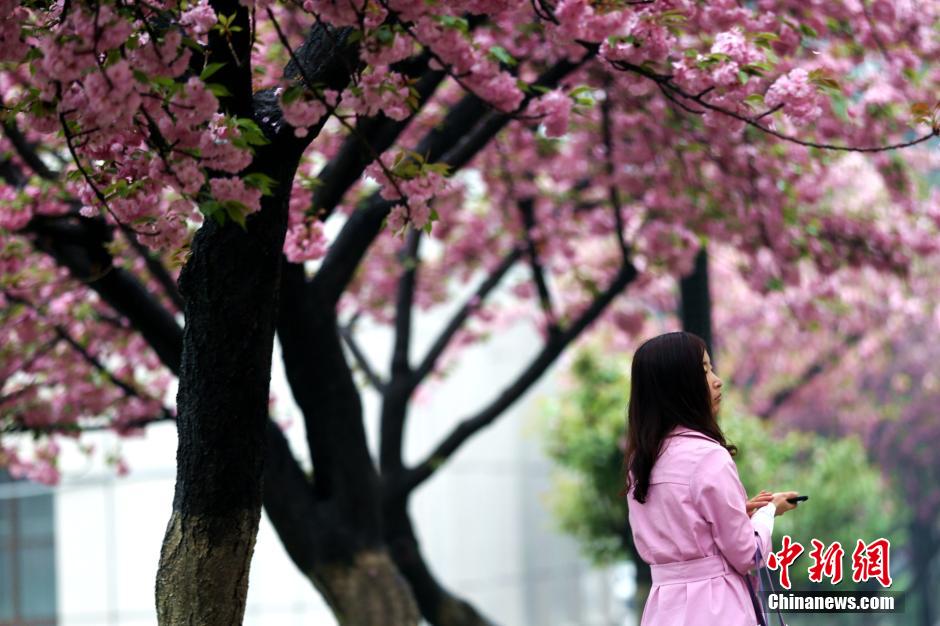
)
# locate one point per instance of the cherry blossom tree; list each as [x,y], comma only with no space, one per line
[171,163]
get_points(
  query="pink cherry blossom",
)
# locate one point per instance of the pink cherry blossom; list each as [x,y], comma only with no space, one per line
[799,97]
[235,190]
[556,107]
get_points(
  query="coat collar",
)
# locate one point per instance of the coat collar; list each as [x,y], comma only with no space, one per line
[685,431]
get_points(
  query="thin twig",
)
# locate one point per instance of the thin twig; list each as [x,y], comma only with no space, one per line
[669,89]
[346,332]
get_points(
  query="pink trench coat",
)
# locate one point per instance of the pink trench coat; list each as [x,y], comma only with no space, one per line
[696,535]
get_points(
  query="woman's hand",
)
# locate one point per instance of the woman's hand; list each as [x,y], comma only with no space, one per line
[780,501]
[758,501]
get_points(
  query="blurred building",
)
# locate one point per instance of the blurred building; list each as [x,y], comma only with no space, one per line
[86,552]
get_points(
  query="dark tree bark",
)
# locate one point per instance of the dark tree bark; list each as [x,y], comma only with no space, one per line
[695,301]
[221,413]
[438,605]
[923,549]
[351,566]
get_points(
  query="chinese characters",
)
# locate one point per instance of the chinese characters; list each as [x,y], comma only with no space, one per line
[869,561]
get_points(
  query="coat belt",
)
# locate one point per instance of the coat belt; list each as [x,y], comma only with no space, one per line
[690,571]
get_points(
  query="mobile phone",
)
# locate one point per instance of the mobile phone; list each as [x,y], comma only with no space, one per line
[797,499]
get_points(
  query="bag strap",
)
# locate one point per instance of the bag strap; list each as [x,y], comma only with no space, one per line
[758,563]
[755,599]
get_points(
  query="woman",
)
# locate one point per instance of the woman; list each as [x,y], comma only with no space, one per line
[690,517]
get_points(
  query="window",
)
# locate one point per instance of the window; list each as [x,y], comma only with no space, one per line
[27,556]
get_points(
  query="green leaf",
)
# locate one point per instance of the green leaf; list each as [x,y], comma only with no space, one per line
[451,21]
[163,81]
[218,90]
[251,132]
[673,16]
[384,34]
[761,66]
[112,57]
[500,54]
[192,43]
[210,69]
[292,94]
[823,81]
[259,180]
[236,211]
[615,40]
[808,31]
[755,100]
[212,209]
[767,36]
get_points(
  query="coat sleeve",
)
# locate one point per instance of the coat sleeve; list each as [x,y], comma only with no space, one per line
[719,496]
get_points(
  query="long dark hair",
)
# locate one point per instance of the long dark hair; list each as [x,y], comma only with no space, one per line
[668,388]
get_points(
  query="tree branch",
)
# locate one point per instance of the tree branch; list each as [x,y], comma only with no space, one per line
[371,136]
[332,411]
[26,151]
[79,244]
[76,428]
[232,48]
[813,371]
[455,141]
[404,302]
[550,351]
[440,344]
[613,193]
[395,402]
[156,268]
[526,208]
[346,332]
[678,95]
[289,502]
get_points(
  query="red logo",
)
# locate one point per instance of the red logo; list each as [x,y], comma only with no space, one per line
[868,561]
[871,561]
[784,558]
[826,563]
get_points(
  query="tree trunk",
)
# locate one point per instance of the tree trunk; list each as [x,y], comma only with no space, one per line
[229,287]
[924,550]
[695,306]
[438,606]
[204,558]
[368,591]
